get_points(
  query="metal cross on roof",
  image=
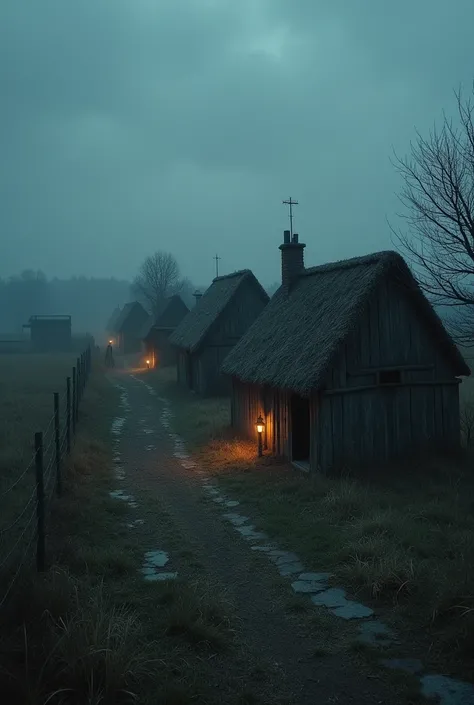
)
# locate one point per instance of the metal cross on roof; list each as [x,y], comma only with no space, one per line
[217,258]
[291,203]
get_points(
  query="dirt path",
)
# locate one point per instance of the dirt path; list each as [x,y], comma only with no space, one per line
[210,549]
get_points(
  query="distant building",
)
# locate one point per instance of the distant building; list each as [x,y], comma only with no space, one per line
[50,333]
[111,323]
[211,329]
[128,327]
[347,363]
[156,331]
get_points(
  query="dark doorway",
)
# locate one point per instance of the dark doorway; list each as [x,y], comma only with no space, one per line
[300,428]
[189,366]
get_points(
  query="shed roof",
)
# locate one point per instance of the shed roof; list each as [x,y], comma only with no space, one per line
[293,342]
[125,313]
[113,319]
[194,327]
[170,314]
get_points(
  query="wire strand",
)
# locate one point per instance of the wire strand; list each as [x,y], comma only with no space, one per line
[17,572]
[33,514]
[23,512]
[20,478]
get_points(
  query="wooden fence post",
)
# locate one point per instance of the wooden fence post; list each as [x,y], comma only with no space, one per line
[68,414]
[78,387]
[40,537]
[57,444]
[74,400]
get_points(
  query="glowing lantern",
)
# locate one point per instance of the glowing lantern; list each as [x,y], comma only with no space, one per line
[260,425]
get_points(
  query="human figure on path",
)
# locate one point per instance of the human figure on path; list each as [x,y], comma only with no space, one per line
[109,356]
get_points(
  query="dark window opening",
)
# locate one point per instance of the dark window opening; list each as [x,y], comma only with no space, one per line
[300,428]
[390,377]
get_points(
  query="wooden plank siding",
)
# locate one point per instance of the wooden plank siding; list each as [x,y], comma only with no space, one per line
[248,401]
[382,422]
[206,360]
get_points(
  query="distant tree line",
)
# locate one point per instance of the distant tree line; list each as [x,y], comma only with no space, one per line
[89,301]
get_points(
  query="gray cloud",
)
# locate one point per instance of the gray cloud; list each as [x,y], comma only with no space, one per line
[132,126]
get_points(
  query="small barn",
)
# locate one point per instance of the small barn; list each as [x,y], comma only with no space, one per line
[348,363]
[211,329]
[156,332]
[128,327]
[50,333]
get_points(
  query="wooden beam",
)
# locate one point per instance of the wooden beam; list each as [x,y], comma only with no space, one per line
[424,383]
[373,370]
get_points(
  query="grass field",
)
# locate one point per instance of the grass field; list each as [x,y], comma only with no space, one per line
[402,541]
[27,384]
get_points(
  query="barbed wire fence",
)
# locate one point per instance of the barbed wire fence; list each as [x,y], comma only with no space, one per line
[24,537]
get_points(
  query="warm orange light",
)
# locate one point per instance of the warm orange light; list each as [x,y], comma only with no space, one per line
[148,362]
[260,425]
[110,342]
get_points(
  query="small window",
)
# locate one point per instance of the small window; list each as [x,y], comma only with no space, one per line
[390,377]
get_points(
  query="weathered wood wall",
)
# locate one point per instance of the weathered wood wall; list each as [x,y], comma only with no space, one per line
[233,322]
[158,344]
[248,402]
[376,421]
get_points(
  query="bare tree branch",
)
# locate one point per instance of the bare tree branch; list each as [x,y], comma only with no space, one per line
[438,196]
[158,278]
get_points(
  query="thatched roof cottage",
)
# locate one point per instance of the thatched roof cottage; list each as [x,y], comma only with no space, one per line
[348,362]
[210,330]
[157,330]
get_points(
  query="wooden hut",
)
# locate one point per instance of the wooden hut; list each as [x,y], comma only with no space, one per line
[347,363]
[128,328]
[211,329]
[156,332]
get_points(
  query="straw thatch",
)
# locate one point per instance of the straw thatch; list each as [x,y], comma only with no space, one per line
[124,315]
[192,330]
[111,323]
[297,336]
[170,314]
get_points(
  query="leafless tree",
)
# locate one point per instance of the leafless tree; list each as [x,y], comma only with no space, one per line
[438,194]
[158,278]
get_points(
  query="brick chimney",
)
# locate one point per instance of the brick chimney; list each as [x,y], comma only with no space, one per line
[197,295]
[292,261]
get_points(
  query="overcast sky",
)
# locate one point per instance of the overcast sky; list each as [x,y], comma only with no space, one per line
[134,125]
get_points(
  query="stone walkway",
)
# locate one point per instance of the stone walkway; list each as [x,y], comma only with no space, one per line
[145,441]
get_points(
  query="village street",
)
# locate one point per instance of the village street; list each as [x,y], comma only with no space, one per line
[157,480]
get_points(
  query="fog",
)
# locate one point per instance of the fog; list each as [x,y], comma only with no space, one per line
[181,125]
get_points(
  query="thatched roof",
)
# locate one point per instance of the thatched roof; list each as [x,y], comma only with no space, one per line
[111,323]
[295,339]
[193,329]
[170,314]
[127,310]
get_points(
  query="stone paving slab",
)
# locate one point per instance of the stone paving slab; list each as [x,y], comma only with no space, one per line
[318,577]
[447,690]
[333,597]
[308,586]
[352,610]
